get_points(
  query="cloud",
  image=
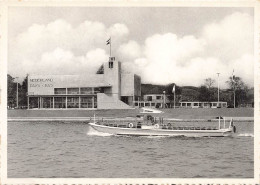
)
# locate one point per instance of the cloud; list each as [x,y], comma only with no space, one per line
[221,47]
[130,50]
[231,37]
[58,47]
[64,62]
[61,48]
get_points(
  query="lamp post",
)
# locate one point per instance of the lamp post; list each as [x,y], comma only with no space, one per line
[234,95]
[163,99]
[16,92]
[218,88]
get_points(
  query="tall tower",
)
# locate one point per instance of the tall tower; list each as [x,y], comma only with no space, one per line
[112,76]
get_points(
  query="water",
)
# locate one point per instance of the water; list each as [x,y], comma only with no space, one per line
[74,149]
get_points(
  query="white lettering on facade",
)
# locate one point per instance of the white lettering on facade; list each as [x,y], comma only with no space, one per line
[41,82]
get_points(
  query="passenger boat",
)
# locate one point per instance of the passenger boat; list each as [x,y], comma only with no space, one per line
[148,125]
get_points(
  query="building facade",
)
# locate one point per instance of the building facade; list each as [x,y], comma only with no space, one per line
[112,88]
[154,101]
[203,104]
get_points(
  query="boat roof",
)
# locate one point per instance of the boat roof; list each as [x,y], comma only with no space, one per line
[150,111]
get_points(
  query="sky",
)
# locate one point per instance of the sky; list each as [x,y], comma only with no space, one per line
[182,45]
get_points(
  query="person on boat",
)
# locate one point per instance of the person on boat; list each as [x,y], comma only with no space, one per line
[149,120]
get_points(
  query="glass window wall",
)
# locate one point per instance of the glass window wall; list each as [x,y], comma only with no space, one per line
[86,90]
[86,102]
[95,102]
[59,90]
[73,102]
[47,102]
[33,102]
[73,90]
[60,102]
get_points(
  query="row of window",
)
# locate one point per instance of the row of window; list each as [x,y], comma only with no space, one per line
[60,102]
[204,104]
[150,98]
[83,90]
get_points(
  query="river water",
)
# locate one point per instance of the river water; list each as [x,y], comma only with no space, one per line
[73,149]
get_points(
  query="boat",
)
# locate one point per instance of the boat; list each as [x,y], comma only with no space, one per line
[148,125]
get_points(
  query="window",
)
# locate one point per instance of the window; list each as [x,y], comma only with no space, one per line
[73,102]
[86,102]
[33,102]
[158,97]
[188,104]
[110,64]
[86,90]
[95,102]
[97,90]
[59,102]
[149,98]
[59,90]
[73,90]
[47,102]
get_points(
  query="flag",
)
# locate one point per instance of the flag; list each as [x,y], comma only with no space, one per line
[233,76]
[108,41]
[173,89]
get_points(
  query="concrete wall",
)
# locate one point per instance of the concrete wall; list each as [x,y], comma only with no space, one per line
[137,85]
[114,83]
[45,84]
[105,101]
[112,77]
[127,84]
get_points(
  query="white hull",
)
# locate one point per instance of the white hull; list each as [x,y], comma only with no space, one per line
[161,132]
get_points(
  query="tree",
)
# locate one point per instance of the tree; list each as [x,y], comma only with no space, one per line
[23,92]
[210,92]
[239,89]
[204,94]
[209,82]
[11,91]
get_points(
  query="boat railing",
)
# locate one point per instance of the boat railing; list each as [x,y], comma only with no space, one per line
[119,122]
[138,122]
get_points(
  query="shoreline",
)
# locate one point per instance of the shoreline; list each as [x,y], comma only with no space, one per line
[23,119]
[178,115]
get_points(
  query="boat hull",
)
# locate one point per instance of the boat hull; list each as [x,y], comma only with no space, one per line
[161,132]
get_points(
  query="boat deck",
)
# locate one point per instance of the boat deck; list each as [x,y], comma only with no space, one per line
[163,126]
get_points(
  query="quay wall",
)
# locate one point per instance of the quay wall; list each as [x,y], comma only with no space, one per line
[183,114]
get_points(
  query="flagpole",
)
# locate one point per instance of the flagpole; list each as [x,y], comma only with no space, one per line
[233,80]
[174,99]
[110,46]
[234,97]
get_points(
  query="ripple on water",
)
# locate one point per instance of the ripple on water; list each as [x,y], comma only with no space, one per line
[46,147]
